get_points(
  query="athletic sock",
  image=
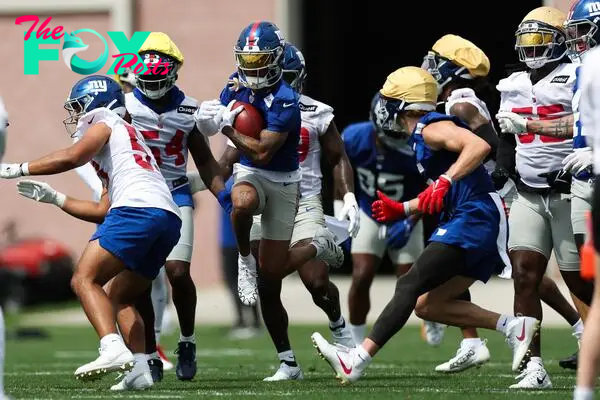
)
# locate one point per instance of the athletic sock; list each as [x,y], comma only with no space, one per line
[578,329]
[503,322]
[189,339]
[363,358]
[583,393]
[471,342]
[358,332]
[340,323]
[288,358]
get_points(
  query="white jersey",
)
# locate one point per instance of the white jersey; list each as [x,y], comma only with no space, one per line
[589,84]
[467,95]
[550,98]
[126,165]
[316,117]
[3,123]
[166,135]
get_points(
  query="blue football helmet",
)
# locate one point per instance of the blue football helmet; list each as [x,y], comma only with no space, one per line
[383,114]
[294,67]
[443,70]
[89,93]
[582,27]
[259,55]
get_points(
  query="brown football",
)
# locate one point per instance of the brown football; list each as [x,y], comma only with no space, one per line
[250,121]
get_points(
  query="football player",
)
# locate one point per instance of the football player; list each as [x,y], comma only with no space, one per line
[3,126]
[460,67]
[318,135]
[382,161]
[268,175]
[589,80]
[450,158]
[540,214]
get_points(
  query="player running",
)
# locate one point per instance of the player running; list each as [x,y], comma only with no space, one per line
[382,161]
[469,243]
[318,134]
[268,175]
[540,214]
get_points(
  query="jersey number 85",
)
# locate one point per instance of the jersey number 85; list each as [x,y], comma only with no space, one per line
[390,184]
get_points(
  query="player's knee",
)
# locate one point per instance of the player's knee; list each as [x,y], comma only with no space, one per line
[362,276]
[78,282]
[317,287]
[178,271]
[423,307]
[245,201]
[524,279]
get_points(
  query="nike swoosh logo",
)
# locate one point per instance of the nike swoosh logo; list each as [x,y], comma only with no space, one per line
[286,105]
[520,338]
[346,370]
[92,120]
[540,381]
[309,208]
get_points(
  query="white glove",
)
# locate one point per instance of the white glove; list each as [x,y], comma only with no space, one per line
[196,182]
[350,211]
[511,123]
[228,115]
[41,191]
[208,117]
[11,171]
[578,160]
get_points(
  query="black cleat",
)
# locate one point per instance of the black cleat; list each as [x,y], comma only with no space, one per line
[186,361]
[156,369]
[570,362]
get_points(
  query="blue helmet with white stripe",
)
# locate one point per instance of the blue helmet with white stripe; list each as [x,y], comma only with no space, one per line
[89,93]
[582,27]
[294,67]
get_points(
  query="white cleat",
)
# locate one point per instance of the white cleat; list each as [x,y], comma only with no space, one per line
[247,281]
[533,377]
[286,373]
[466,357]
[344,361]
[113,358]
[327,251]
[432,332]
[519,334]
[134,380]
[342,335]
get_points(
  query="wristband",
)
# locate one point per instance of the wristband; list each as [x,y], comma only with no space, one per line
[406,206]
[24,169]
[60,199]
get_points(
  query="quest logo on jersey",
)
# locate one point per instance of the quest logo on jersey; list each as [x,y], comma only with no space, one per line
[560,79]
[72,44]
[187,109]
[305,108]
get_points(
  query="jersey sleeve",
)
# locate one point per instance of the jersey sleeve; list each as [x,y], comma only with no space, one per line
[590,97]
[323,119]
[282,115]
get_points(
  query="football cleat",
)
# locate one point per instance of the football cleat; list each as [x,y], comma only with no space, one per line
[286,373]
[519,334]
[134,380]
[432,332]
[114,357]
[156,369]
[533,377]
[186,361]
[167,364]
[467,356]
[344,361]
[247,281]
[327,251]
[570,362]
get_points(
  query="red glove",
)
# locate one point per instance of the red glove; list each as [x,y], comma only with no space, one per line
[386,209]
[431,200]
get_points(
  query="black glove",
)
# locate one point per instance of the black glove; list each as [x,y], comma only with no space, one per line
[500,177]
[559,180]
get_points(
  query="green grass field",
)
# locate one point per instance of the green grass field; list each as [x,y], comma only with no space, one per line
[43,369]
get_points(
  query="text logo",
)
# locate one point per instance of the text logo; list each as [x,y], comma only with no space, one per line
[72,45]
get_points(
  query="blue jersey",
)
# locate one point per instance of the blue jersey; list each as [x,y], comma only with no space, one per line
[579,141]
[473,217]
[281,113]
[394,173]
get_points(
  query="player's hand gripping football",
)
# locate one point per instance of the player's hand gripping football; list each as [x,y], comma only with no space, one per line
[40,191]
[431,200]
[386,209]
[350,211]
[511,122]
[228,116]
[12,171]
[208,117]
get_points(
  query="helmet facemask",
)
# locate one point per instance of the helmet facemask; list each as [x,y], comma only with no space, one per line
[538,43]
[259,69]
[580,37]
[76,108]
[392,131]
[160,78]
[443,70]
[295,78]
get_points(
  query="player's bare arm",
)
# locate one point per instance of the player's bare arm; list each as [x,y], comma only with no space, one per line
[477,123]
[208,167]
[230,156]
[333,148]
[89,211]
[561,128]
[472,149]
[75,156]
[260,151]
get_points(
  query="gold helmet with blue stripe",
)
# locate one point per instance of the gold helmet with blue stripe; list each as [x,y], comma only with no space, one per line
[163,58]
[408,89]
[541,37]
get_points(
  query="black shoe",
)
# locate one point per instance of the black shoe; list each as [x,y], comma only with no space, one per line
[570,362]
[186,361]
[156,369]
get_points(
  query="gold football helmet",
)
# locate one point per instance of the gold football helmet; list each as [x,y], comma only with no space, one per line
[540,38]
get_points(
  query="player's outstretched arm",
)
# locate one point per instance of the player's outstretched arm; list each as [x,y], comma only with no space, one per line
[207,166]
[62,160]
[478,124]
[230,156]
[90,211]
[472,149]
[561,128]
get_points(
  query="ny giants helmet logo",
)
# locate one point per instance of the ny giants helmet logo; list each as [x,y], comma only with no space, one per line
[381,112]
